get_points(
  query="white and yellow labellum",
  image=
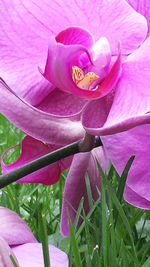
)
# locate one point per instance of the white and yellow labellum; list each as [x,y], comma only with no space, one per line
[83,81]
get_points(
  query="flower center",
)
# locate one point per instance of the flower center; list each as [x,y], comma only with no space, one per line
[83,81]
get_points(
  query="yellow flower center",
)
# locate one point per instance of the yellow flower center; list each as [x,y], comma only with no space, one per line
[81,80]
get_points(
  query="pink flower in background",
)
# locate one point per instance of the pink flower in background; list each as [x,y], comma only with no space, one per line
[33,149]
[94,77]
[17,239]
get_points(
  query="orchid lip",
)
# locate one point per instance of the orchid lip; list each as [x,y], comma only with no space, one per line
[82,68]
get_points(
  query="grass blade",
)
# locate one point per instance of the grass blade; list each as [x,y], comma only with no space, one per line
[104,226]
[89,192]
[123,178]
[44,239]
[74,244]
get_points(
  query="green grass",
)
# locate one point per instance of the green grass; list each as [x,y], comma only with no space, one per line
[113,234]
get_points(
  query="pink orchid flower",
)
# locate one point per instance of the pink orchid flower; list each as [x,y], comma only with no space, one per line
[94,78]
[17,239]
[83,68]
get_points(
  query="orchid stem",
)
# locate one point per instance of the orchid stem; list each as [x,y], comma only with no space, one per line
[50,158]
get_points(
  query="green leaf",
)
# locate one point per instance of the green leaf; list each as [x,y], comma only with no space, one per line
[123,178]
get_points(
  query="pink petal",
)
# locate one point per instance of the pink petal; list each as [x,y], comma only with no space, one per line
[40,125]
[33,149]
[5,253]
[62,104]
[130,106]
[13,229]
[143,7]
[75,35]
[75,187]
[32,255]
[119,148]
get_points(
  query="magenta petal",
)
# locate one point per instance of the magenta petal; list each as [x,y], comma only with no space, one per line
[13,229]
[32,255]
[75,187]
[119,148]
[39,124]
[75,35]
[5,253]
[33,149]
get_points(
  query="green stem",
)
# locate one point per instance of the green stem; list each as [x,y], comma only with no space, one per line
[79,146]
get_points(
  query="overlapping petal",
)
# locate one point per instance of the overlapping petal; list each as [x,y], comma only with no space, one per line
[33,149]
[13,229]
[75,186]
[127,109]
[39,124]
